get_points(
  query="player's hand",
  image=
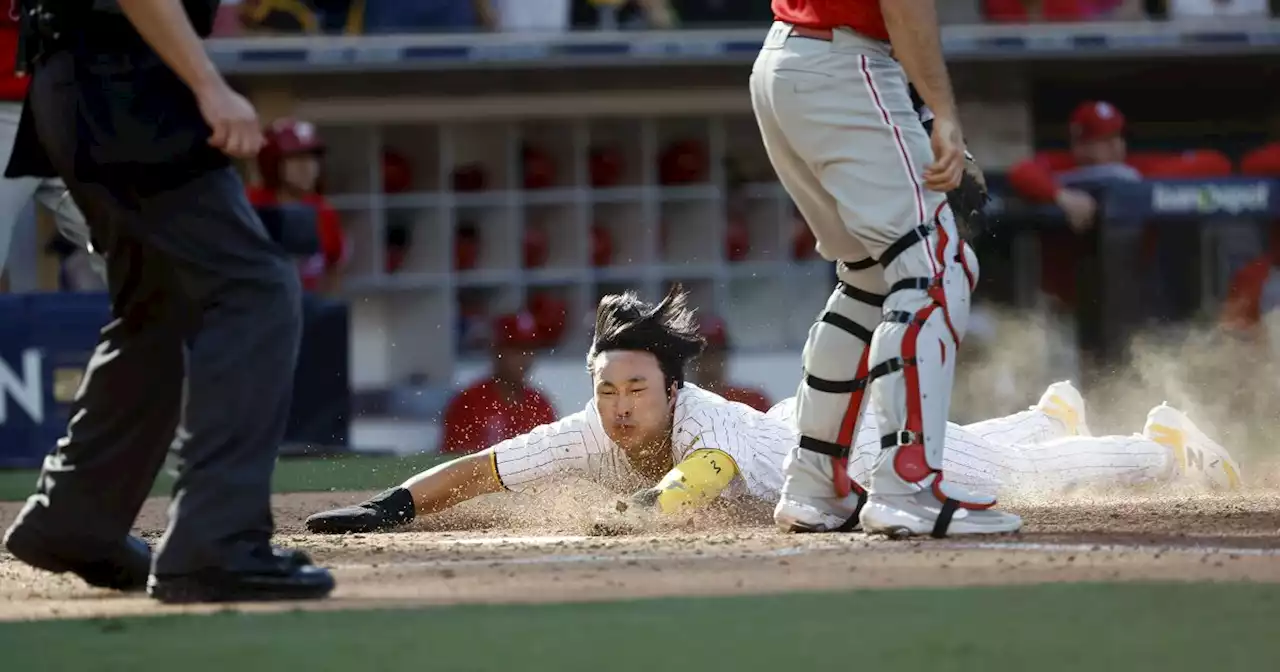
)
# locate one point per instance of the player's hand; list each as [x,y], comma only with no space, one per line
[944,173]
[1079,207]
[234,122]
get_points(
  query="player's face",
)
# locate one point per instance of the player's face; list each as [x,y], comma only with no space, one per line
[635,406]
[512,363]
[1099,151]
[301,172]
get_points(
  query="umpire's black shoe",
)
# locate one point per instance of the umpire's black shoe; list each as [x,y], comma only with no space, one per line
[122,568]
[272,575]
[386,511]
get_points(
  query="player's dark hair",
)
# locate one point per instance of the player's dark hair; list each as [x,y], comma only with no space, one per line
[668,331]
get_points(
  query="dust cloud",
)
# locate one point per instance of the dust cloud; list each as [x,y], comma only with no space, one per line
[1228,386]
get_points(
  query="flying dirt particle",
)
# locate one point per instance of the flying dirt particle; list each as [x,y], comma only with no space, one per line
[1234,556]
[944,566]
[784,563]
[1071,558]
[633,563]
[1217,563]
[447,573]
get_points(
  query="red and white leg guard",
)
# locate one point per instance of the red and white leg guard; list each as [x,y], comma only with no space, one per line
[930,273]
[832,393]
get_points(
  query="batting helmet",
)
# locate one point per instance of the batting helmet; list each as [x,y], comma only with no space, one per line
[284,138]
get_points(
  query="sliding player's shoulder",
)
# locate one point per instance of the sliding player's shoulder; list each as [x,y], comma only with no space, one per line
[695,401]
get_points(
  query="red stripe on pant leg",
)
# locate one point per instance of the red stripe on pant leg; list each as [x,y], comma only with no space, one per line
[848,426]
[910,461]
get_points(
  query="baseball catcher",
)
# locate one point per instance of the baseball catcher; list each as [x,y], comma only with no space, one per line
[831,97]
[686,447]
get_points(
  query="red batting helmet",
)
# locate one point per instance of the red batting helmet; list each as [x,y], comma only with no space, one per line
[285,137]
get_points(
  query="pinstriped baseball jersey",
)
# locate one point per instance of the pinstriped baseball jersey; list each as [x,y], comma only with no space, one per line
[578,446]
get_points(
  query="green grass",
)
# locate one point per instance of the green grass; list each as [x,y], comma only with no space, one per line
[327,474]
[1079,627]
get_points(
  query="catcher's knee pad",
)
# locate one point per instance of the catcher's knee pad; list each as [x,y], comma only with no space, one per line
[930,274]
[832,393]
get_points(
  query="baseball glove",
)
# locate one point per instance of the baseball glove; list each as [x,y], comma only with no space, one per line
[969,200]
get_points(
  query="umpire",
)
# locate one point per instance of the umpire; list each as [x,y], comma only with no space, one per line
[127,108]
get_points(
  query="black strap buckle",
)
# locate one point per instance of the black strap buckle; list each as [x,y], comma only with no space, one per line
[905,437]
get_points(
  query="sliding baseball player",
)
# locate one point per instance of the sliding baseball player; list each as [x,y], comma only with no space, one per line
[676,446]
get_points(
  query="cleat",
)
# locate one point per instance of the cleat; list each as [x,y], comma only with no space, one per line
[809,502]
[904,516]
[1196,458]
[829,515]
[1063,403]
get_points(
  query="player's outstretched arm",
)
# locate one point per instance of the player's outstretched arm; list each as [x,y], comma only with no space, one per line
[452,483]
[432,491]
[550,450]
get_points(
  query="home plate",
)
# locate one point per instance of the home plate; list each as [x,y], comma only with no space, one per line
[515,541]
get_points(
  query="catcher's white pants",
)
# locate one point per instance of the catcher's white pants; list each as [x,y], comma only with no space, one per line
[840,130]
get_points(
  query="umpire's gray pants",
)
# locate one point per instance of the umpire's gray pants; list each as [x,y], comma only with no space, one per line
[51,193]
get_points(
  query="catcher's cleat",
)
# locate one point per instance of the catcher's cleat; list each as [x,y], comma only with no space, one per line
[1197,458]
[925,513]
[794,514]
[1062,402]
[386,511]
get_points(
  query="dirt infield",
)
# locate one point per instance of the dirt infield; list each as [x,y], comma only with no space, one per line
[505,549]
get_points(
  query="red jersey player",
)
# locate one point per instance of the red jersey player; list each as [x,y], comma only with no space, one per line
[503,405]
[289,167]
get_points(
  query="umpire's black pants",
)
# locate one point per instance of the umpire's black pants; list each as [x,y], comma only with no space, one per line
[200,356]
